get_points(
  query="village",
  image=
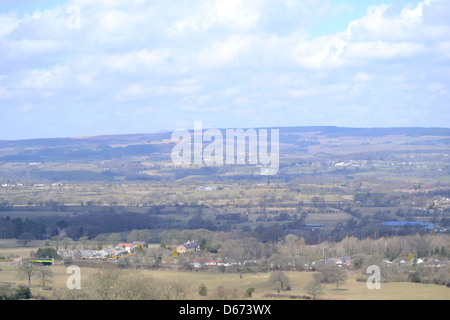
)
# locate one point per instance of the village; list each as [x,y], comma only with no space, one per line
[189,256]
[124,250]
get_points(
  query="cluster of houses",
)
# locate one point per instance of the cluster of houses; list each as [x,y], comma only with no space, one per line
[208,262]
[207,188]
[124,249]
[425,262]
[344,261]
[193,246]
[120,250]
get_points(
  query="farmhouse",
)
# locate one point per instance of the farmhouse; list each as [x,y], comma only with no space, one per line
[103,254]
[118,252]
[190,246]
[65,253]
[88,254]
[209,262]
[347,261]
[201,263]
[227,262]
[124,246]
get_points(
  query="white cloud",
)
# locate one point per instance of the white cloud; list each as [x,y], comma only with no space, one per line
[144,111]
[361,77]
[45,79]
[382,50]
[236,13]
[7,24]
[169,58]
[326,90]
[138,61]
[321,53]
[234,51]
[24,108]
[86,78]
[133,91]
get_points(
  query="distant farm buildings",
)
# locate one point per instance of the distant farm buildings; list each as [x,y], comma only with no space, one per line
[190,246]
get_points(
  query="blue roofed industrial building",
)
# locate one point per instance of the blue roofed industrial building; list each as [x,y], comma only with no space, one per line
[404,227]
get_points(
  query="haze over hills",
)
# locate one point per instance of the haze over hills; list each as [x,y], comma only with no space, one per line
[104,158]
[330,131]
[331,183]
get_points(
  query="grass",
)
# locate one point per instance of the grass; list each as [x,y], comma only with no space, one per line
[350,290]
[11,248]
[354,290]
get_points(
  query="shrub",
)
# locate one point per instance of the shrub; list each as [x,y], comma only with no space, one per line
[202,290]
[415,277]
[227,293]
[23,293]
[249,292]
[5,292]
[47,253]
[442,277]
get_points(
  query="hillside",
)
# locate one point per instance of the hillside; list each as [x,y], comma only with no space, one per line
[96,158]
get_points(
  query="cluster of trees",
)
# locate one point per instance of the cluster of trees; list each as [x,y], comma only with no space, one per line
[82,225]
[8,292]
[28,271]
[111,284]
[17,227]
[241,245]
[292,253]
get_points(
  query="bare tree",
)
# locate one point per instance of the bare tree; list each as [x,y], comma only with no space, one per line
[340,277]
[25,238]
[143,235]
[114,285]
[331,274]
[106,284]
[314,289]
[186,260]
[280,280]
[26,271]
[350,245]
[44,274]
[154,257]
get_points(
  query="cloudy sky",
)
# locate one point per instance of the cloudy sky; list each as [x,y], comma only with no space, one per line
[85,67]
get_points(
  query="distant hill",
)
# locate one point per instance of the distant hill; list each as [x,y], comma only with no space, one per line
[330,131]
[116,146]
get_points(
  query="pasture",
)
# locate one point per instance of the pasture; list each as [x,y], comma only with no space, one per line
[234,285]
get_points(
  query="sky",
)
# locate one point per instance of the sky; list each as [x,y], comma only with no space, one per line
[82,68]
